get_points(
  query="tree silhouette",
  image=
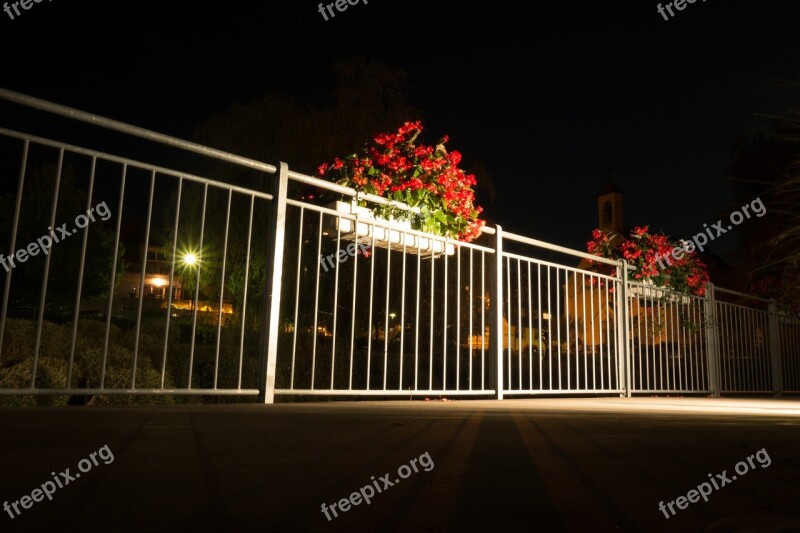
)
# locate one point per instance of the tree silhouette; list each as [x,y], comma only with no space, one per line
[767,166]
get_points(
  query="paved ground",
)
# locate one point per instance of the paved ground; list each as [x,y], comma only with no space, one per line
[516,465]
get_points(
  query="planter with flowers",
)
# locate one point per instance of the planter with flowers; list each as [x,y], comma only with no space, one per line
[391,233]
[676,280]
[426,179]
[649,290]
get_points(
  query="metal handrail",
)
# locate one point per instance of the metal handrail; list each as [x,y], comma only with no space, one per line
[741,294]
[12,134]
[561,249]
[136,131]
[359,195]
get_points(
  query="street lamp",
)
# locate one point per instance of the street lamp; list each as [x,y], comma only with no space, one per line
[190,260]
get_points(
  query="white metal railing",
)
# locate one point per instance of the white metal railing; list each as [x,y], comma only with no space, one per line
[163,339]
[292,297]
[749,352]
[381,320]
[559,336]
[668,345]
[788,331]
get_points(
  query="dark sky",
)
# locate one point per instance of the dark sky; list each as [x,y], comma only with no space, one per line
[546,94]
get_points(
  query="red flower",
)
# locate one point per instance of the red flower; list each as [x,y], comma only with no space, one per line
[642,250]
[418,175]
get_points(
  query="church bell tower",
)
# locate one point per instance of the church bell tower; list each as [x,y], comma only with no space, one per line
[609,208]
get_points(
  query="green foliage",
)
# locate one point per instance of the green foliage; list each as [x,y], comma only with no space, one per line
[50,373]
[18,350]
[65,255]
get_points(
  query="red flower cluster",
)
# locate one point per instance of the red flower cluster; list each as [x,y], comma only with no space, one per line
[641,249]
[420,176]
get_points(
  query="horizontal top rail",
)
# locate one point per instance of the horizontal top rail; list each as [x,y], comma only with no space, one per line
[551,264]
[347,191]
[740,294]
[562,249]
[358,195]
[132,163]
[122,127]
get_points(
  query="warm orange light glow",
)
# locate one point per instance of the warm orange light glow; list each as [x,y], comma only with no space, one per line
[202,306]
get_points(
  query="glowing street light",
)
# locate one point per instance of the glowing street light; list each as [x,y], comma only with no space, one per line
[189,260]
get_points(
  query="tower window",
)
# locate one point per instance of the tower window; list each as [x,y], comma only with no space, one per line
[607,213]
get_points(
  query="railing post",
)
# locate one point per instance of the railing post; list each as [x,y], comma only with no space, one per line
[272,291]
[775,349]
[496,313]
[712,340]
[623,333]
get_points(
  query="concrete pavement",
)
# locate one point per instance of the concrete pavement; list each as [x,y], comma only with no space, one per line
[600,464]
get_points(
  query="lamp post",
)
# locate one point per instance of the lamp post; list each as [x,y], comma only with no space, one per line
[189,261]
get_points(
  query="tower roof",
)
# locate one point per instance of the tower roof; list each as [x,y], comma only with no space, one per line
[610,188]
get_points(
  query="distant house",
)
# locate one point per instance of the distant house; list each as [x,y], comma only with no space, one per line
[156,290]
[156,280]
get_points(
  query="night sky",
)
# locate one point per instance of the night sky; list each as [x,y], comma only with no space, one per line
[547,94]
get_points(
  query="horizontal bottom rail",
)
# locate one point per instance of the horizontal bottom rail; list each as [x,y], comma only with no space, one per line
[135,392]
[564,392]
[670,391]
[734,391]
[342,392]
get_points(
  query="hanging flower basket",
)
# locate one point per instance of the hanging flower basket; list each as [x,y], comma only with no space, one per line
[662,275]
[426,178]
[385,233]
